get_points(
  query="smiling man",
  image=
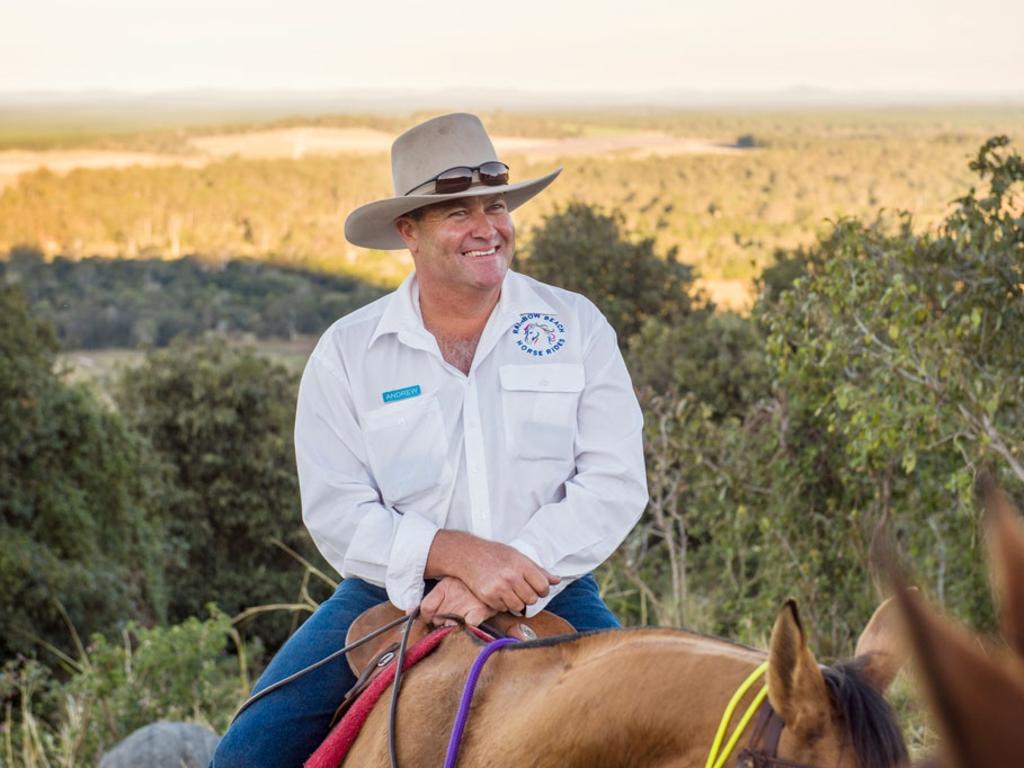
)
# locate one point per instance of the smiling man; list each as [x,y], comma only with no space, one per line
[470,443]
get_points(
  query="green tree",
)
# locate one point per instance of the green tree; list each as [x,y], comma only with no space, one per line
[584,250]
[80,500]
[222,419]
[894,374]
[718,357]
[906,346]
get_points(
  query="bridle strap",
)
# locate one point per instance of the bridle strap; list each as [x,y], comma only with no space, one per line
[763,746]
[762,751]
[767,730]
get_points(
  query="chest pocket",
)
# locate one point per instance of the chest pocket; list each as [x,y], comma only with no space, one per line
[407,446]
[539,406]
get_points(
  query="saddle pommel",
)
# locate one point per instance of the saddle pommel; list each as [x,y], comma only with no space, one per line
[544,624]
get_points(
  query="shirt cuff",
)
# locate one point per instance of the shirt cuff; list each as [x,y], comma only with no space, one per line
[409,550]
[542,603]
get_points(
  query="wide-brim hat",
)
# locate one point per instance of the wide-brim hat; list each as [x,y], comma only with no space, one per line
[418,156]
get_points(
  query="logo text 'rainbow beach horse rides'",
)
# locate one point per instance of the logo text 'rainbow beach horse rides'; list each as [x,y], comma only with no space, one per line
[538,334]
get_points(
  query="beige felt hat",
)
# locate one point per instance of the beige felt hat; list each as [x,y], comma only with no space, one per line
[417,157]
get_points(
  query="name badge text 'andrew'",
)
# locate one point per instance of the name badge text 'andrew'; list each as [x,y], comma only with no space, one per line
[401,394]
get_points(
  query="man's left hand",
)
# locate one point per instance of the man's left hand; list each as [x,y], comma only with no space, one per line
[451,597]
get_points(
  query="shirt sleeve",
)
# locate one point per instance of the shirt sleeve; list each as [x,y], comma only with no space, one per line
[341,504]
[608,493]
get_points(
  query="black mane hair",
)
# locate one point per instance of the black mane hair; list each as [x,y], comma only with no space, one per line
[869,722]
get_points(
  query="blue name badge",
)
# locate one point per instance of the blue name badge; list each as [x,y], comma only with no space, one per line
[402,394]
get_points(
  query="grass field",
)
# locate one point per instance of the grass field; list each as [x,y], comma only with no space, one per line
[102,368]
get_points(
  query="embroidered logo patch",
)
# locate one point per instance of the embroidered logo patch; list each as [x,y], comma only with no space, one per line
[401,394]
[538,334]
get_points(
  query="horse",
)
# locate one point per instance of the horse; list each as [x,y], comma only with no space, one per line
[643,697]
[977,694]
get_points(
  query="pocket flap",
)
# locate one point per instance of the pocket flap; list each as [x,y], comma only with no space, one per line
[402,412]
[552,377]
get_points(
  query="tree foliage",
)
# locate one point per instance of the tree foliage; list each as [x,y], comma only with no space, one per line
[719,358]
[584,250]
[895,376]
[81,501]
[98,302]
[728,210]
[222,420]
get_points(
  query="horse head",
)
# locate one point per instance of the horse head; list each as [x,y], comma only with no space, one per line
[835,716]
[977,694]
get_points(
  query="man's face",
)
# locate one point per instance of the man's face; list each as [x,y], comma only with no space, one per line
[464,245]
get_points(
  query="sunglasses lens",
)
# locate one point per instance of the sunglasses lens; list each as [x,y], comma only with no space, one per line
[493,173]
[453,180]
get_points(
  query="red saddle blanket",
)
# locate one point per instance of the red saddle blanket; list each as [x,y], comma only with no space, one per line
[338,742]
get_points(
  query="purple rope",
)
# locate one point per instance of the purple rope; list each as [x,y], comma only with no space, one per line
[467,698]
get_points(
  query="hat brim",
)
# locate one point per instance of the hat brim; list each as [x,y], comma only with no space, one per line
[373,225]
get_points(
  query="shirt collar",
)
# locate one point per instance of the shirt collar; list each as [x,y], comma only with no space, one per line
[518,297]
[403,311]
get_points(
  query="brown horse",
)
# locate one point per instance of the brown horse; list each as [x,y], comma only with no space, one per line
[642,697]
[977,694]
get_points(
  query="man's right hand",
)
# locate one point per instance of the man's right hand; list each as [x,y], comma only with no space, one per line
[499,575]
[450,597]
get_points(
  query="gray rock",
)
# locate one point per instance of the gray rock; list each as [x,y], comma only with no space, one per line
[164,745]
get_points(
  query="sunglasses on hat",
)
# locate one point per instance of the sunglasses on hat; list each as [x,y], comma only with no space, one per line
[460,178]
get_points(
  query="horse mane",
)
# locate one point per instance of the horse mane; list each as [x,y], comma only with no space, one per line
[869,722]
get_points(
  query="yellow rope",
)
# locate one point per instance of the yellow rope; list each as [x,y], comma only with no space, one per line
[716,760]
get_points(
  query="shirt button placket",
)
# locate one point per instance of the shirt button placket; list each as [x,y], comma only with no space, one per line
[476,463]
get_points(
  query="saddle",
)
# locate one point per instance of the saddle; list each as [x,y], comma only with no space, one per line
[369,660]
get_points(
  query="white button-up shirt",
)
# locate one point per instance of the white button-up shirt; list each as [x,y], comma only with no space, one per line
[538,447]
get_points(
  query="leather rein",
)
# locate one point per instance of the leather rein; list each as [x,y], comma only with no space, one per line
[408,619]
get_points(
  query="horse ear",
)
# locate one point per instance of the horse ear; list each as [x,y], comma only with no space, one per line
[1005,535]
[881,651]
[978,701]
[796,688]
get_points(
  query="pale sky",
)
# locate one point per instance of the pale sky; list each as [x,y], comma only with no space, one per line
[534,45]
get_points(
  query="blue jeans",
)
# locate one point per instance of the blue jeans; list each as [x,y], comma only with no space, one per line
[285,728]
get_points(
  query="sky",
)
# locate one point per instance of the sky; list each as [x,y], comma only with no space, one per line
[584,46]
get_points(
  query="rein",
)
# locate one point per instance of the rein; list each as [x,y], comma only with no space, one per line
[325,660]
[763,748]
[717,759]
[462,715]
[409,619]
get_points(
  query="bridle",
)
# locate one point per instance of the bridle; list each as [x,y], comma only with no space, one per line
[762,750]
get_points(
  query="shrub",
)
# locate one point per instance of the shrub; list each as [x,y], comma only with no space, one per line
[222,420]
[182,672]
[80,523]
